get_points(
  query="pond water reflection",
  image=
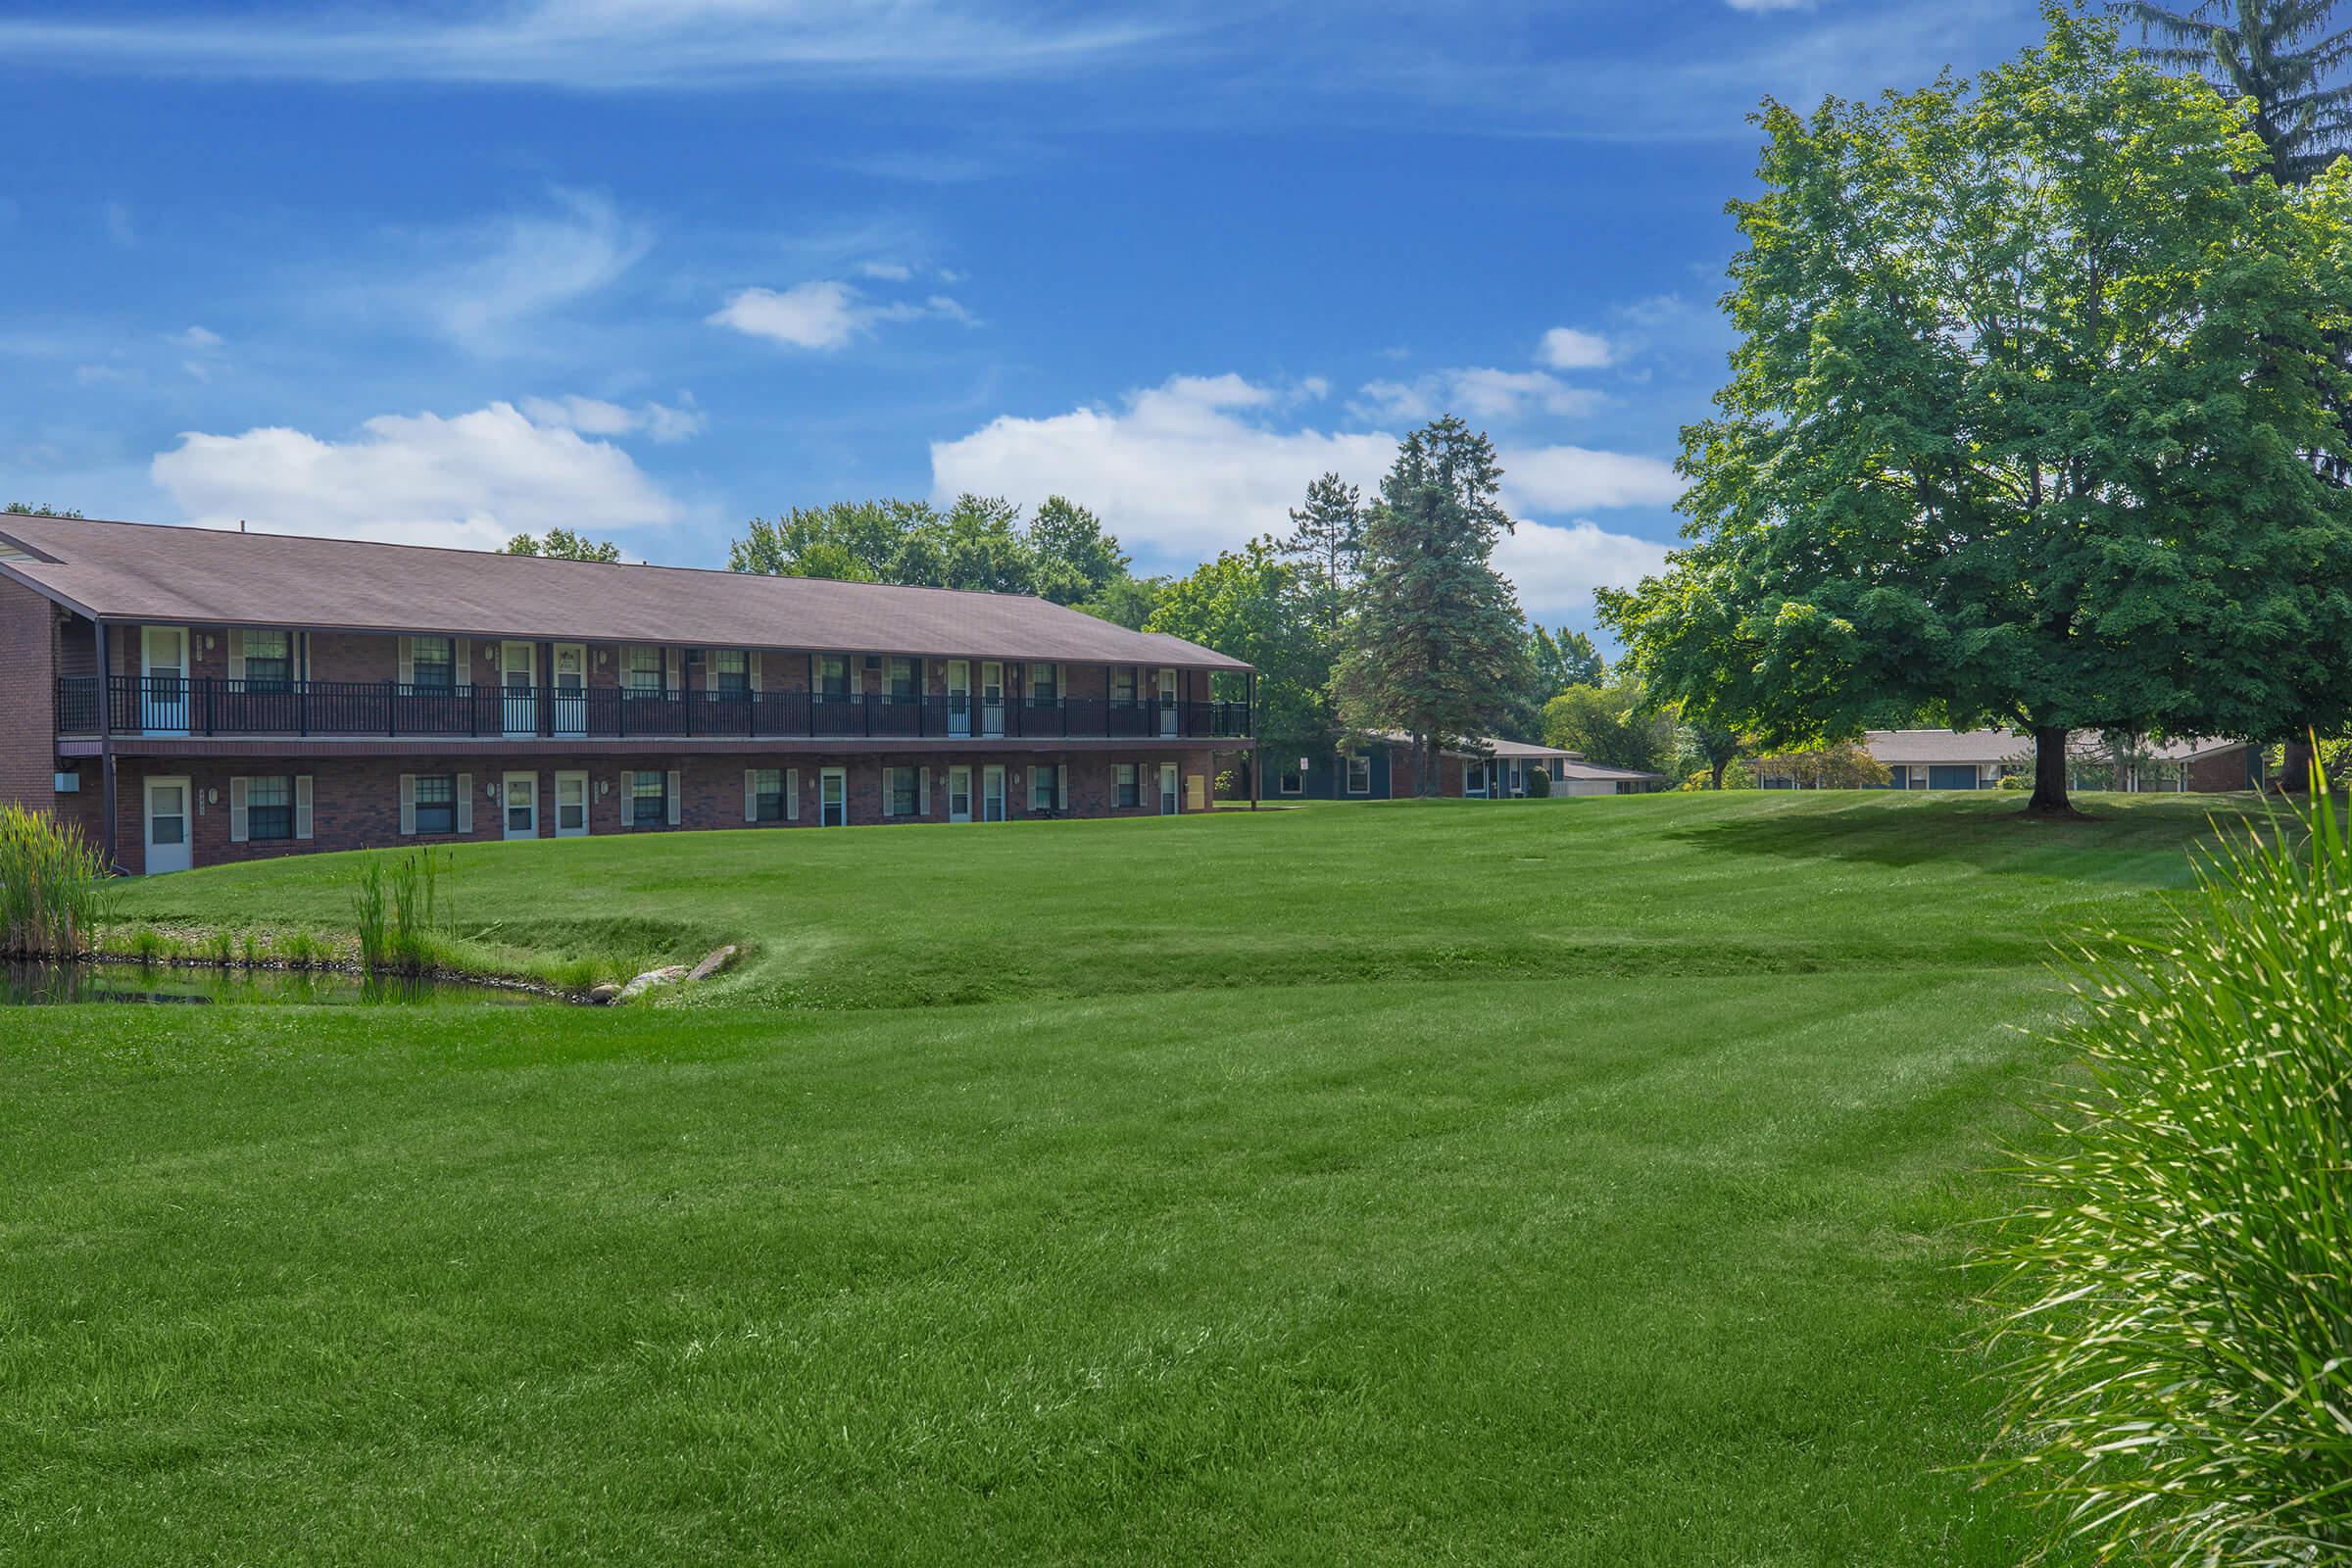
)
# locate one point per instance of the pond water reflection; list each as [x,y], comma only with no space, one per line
[28,984]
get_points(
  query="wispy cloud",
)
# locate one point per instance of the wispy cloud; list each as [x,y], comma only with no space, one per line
[823,314]
[482,284]
[1480,392]
[118,225]
[663,422]
[595,43]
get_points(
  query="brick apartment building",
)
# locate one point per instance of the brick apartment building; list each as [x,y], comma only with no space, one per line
[193,697]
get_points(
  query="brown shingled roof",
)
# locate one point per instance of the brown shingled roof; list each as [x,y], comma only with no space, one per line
[142,571]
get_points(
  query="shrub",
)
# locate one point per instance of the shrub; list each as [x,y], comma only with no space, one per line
[147,944]
[53,886]
[2179,1288]
[1538,785]
[304,951]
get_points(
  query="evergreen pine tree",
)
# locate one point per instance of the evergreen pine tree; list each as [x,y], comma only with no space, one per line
[1436,645]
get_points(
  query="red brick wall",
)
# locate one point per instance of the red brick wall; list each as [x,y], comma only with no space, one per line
[2218,774]
[28,697]
[356,804]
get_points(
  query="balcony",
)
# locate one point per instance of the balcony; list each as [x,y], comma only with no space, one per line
[167,706]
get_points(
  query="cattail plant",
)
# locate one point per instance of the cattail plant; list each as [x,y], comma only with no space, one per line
[2176,1325]
[401,913]
[53,886]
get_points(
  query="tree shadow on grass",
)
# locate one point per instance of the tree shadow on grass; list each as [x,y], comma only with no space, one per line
[2132,841]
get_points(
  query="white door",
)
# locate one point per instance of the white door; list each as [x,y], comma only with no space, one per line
[572,806]
[960,697]
[959,795]
[168,846]
[992,697]
[992,795]
[569,679]
[164,680]
[833,797]
[519,795]
[1167,702]
[518,673]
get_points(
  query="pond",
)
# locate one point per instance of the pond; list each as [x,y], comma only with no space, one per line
[29,984]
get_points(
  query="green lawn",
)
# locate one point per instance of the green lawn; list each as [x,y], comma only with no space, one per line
[1572,1182]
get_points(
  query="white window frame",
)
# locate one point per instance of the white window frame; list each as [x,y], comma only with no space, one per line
[1357,760]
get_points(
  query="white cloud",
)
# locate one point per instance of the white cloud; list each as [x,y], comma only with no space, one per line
[472,479]
[886,272]
[481,283]
[1768,5]
[822,314]
[595,43]
[102,374]
[1195,466]
[119,226]
[1564,478]
[1555,568]
[197,337]
[1478,393]
[595,417]
[1564,348]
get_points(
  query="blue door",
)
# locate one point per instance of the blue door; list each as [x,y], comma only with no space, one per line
[1952,778]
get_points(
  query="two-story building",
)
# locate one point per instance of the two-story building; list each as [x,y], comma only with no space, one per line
[193,695]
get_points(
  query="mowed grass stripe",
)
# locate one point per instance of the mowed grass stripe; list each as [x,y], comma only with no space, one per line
[1544,1268]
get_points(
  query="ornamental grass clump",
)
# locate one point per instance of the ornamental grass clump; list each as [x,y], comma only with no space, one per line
[401,913]
[53,886]
[2178,1293]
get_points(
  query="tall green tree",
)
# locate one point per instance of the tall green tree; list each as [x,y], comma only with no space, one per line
[28,509]
[563,544]
[855,541]
[1713,746]
[1327,546]
[1613,725]
[1076,561]
[1435,647]
[1245,603]
[1564,658]
[2286,57]
[2021,424]
[2283,56]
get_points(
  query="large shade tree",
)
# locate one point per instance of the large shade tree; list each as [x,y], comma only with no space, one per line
[2022,423]
[1436,647]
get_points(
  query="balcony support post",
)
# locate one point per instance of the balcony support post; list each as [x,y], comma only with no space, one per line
[106,746]
[1250,727]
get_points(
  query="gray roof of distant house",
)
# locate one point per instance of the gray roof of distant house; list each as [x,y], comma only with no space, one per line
[1594,771]
[1963,747]
[144,572]
[1490,746]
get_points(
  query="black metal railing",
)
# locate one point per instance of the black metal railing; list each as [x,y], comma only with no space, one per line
[167,705]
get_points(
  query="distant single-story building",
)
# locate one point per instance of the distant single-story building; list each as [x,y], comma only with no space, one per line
[1380,767]
[1979,758]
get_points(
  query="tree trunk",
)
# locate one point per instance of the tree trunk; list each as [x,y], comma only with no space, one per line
[1719,767]
[2049,774]
[2294,774]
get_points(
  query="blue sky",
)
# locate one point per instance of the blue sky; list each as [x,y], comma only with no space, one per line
[650,267]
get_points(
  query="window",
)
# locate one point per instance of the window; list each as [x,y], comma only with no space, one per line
[730,672]
[1043,692]
[1123,686]
[268,809]
[898,792]
[1041,788]
[640,670]
[433,663]
[833,675]
[1360,776]
[647,805]
[1291,782]
[268,660]
[899,683]
[1125,791]
[768,795]
[436,803]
